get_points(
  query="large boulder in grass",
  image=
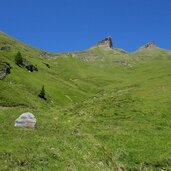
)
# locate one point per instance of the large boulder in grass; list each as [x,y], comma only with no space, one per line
[26,120]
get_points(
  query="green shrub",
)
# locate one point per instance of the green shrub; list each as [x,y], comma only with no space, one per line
[42,93]
[19,59]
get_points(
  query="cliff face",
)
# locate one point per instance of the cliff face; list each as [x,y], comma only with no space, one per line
[106,43]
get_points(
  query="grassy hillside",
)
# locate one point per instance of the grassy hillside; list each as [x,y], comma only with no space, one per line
[105,109]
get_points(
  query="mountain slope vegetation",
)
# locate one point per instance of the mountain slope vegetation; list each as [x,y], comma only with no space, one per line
[105,109]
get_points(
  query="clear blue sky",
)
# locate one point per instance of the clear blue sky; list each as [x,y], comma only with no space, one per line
[68,25]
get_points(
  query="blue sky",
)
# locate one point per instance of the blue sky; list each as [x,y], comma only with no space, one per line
[69,25]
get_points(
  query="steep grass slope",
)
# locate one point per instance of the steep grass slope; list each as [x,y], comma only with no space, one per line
[105,110]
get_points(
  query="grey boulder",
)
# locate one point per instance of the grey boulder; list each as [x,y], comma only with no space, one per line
[26,120]
[5,69]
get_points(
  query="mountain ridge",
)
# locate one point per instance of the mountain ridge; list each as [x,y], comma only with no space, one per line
[106,43]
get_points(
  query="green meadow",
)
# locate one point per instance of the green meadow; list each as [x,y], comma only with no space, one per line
[105,110]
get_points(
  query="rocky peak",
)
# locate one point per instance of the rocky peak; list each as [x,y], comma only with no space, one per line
[106,43]
[149,45]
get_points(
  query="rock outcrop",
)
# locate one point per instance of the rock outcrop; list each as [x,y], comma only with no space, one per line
[30,67]
[106,43]
[45,55]
[5,69]
[5,48]
[26,120]
[149,45]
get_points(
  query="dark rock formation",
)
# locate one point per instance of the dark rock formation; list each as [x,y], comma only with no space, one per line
[106,43]
[5,69]
[30,67]
[5,48]
[149,45]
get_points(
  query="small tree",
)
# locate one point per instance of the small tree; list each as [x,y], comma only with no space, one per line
[18,59]
[42,93]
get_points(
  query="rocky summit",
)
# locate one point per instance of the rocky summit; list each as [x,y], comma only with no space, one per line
[149,45]
[106,43]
